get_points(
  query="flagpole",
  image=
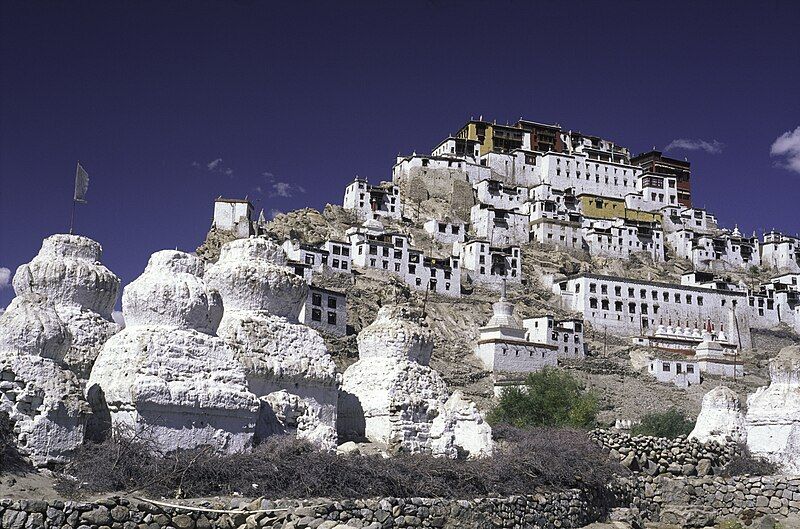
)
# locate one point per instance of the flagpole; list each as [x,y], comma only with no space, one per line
[72,217]
[72,213]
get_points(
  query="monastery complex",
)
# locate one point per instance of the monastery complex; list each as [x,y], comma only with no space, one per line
[234,343]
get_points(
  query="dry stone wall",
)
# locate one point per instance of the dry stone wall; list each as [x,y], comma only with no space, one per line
[684,501]
[655,456]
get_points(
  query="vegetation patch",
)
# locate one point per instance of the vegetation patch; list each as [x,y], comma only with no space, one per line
[550,397]
[283,467]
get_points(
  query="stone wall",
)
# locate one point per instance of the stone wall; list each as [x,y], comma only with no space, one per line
[682,501]
[655,456]
[565,509]
[697,502]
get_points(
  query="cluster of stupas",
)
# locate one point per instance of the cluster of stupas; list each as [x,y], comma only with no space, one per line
[691,332]
[771,424]
[211,355]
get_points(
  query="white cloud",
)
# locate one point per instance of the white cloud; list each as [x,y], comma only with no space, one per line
[2,310]
[215,166]
[274,213]
[278,189]
[711,147]
[282,189]
[5,278]
[118,318]
[787,146]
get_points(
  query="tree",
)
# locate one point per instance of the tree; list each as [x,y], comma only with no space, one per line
[550,397]
[671,423]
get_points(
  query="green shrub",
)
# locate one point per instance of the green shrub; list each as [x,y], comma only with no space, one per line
[550,397]
[671,423]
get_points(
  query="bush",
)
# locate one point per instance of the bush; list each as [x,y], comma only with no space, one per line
[283,467]
[550,397]
[746,463]
[671,423]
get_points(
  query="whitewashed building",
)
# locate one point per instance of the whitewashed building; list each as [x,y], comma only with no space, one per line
[630,307]
[373,202]
[780,252]
[500,226]
[622,238]
[447,231]
[499,195]
[565,335]
[489,265]
[325,310]
[721,251]
[653,193]
[234,215]
[503,345]
[392,253]
[329,257]
[680,371]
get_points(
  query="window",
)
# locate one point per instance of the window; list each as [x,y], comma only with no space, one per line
[593,303]
[604,304]
[316,315]
[309,259]
[331,302]
[331,318]
[665,367]
[316,299]
[689,368]
[700,300]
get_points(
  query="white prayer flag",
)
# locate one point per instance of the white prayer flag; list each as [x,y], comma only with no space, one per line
[81,184]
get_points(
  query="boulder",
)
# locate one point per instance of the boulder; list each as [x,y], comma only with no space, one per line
[773,413]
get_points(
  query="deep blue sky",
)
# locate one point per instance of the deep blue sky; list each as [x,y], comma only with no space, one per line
[313,93]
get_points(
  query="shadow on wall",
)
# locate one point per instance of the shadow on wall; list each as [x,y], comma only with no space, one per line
[98,425]
[351,425]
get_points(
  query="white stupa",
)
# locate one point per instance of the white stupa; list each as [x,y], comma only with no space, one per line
[287,364]
[68,272]
[166,375]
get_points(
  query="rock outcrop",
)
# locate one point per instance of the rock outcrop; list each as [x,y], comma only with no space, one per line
[391,396]
[67,271]
[720,418]
[773,413]
[42,399]
[287,364]
[167,376]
